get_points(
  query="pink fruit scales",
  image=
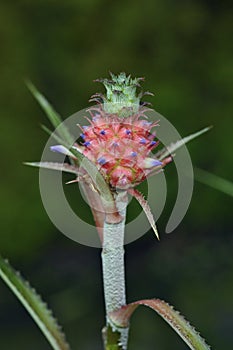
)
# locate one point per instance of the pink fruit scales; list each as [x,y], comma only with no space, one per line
[119,139]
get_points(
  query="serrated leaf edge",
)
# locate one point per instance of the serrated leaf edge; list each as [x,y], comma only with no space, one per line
[146,208]
[35,306]
[179,324]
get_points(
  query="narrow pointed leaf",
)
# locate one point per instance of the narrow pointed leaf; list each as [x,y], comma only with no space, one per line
[100,185]
[94,173]
[191,337]
[145,206]
[214,181]
[52,115]
[54,166]
[166,151]
[46,129]
[54,135]
[34,305]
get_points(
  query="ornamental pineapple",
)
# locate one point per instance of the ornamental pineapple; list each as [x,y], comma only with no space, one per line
[118,143]
[119,139]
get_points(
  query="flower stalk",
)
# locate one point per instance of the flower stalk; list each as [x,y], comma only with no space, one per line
[114,275]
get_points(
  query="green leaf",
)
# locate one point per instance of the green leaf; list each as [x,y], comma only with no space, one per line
[190,336]
[54,135]
[93,172]
[166,151]
[54,166]
[52,115]
[34,305]
[214,181]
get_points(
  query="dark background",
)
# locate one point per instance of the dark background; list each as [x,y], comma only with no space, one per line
[185,51]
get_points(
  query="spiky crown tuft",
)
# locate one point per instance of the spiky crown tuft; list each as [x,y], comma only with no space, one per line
[121,95]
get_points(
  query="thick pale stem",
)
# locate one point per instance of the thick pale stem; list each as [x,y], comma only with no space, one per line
[114,274]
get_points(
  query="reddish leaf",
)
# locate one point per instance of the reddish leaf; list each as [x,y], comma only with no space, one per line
[145,206]
[190,336]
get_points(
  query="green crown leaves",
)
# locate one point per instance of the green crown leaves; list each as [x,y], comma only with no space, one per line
[121,94]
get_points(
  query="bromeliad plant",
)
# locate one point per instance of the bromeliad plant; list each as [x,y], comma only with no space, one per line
[117,145]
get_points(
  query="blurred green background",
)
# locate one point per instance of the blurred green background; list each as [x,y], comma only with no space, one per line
[185,51]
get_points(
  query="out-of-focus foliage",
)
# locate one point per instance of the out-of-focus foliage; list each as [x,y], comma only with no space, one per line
[184,49]
[214,181]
